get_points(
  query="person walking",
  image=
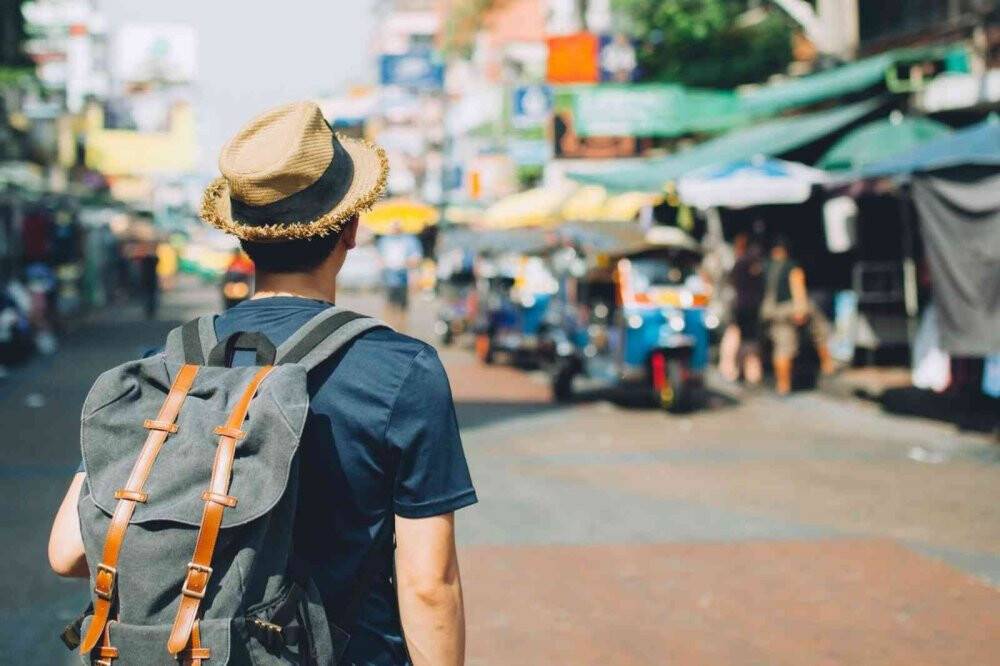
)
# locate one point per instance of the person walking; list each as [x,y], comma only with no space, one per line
[400,254]
[747,278]
[380,452]
[786,308]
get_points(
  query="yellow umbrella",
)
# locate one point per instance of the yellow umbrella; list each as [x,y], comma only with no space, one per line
[410,216]
[625,207]
[584,205]
[463,215]
[531,208]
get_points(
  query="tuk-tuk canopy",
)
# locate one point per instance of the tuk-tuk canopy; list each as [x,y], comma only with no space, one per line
[566,202]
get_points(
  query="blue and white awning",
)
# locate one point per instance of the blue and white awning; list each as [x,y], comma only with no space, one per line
[759,181]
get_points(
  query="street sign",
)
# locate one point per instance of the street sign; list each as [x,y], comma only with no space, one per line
[618,59]
[531,106]
[417,69]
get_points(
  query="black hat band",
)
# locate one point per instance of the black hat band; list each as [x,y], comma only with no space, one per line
[308,204]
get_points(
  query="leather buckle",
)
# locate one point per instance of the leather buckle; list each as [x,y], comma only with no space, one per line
[112,573]
[224,500]
[232,433]
[133,495]
[186,589]
[164,426]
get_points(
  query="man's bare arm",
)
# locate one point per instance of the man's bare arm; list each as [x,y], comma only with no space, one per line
[430,590]
[66,554]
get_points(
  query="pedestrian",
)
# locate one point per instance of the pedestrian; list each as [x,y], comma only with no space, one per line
[149,278]
[786,308]
[729,345]
[380,460]
[747,279]
[400,254]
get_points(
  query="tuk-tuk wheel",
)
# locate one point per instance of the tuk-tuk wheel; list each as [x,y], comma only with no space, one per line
[674,391]
[562,382]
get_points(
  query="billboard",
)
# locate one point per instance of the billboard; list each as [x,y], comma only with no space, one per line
[573,58]
[656,109]
[417,69]
[161,52]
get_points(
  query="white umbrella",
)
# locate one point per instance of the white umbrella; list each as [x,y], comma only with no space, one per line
[745,183]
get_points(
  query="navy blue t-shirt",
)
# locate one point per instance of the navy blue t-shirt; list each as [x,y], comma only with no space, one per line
[381,438]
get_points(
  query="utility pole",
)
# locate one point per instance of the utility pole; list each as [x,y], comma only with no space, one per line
[833,29]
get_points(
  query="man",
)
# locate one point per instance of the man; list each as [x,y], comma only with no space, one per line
[786,308]
[747,279]
[381,442]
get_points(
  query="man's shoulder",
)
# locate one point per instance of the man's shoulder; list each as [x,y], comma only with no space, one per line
[391,349]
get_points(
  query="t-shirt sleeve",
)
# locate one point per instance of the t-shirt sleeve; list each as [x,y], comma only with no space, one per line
[432,476]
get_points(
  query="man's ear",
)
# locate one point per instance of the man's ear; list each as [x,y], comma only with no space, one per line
[349,236]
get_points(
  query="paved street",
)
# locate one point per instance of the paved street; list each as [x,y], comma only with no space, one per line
[809,531]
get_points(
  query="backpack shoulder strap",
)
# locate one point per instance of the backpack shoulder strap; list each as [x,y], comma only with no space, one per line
[191,342]
[323,335]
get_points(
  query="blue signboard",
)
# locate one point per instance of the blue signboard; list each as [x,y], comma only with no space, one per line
[418,69]
[617,59]
[531,106]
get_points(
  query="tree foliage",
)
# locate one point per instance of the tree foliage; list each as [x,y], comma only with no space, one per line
[707,43]
[462,20]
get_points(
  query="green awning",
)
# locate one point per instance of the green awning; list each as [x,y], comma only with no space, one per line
[853,77]
[880,140]
[772,138]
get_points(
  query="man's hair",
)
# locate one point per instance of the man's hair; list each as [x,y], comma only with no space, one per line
[294,256]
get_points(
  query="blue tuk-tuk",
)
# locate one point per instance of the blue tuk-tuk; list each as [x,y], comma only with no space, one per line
[456,291]
[515,292]
[639,321]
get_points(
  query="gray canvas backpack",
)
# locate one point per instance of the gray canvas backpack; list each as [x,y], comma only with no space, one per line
[189,502]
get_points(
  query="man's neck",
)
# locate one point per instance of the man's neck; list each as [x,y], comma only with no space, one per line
[304,285]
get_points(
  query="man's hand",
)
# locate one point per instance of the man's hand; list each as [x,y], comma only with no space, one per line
[430,590]
[66,554]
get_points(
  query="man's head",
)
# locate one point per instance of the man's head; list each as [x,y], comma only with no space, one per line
[779,247]
[306,255]
[291,190]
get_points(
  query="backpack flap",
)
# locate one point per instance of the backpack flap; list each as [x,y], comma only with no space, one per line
[113,433]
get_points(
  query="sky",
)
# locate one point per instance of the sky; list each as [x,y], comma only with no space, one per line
[256,55]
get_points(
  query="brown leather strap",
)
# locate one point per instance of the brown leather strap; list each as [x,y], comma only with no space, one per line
[200,566]
[107,573]
[106,653]
[194,653]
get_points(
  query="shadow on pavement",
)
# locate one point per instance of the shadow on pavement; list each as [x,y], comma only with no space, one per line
[976,413]
[476,414]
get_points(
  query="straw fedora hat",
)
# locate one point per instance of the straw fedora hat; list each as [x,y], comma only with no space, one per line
[286,176]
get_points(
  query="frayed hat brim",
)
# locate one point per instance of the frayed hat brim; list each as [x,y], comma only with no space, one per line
[371,174]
